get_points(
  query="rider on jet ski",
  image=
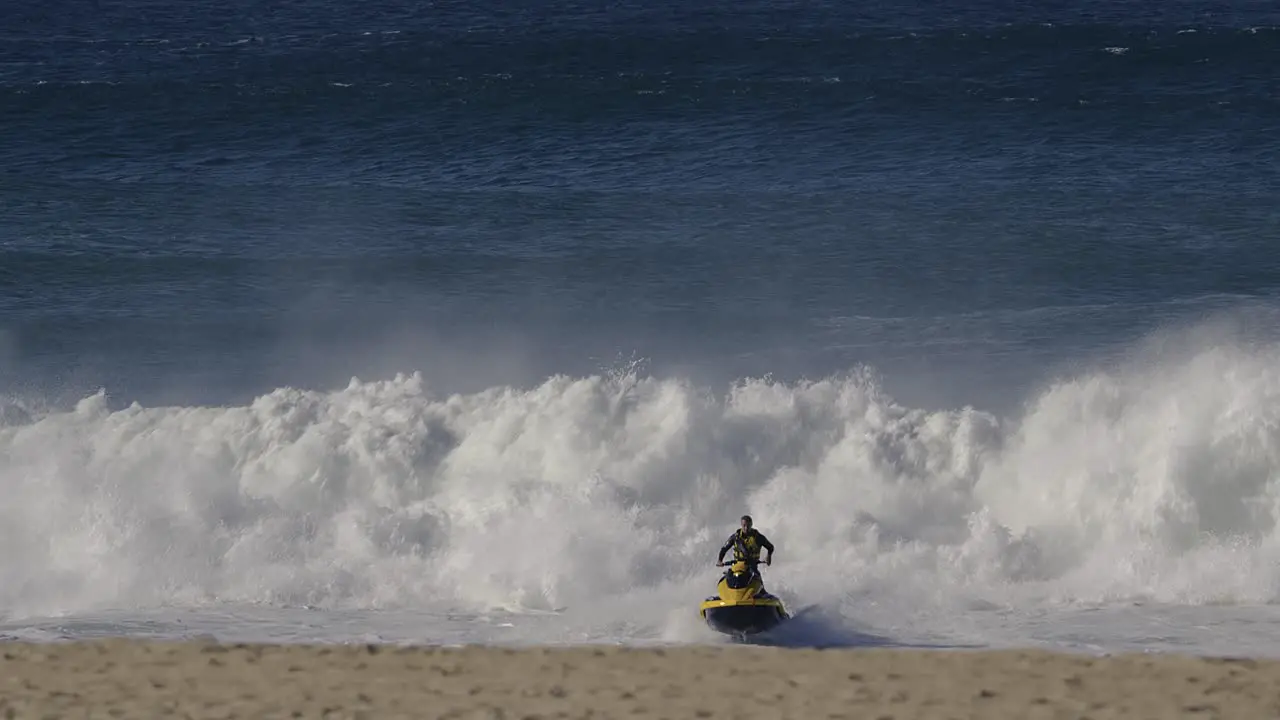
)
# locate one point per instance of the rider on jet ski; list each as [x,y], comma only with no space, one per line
[746,543]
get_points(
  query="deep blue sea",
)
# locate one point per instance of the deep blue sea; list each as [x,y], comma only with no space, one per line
[200,202]
[977,302]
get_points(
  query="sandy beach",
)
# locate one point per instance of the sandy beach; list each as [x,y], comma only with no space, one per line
[138,679]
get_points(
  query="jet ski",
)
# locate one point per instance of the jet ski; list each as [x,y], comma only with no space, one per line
[742,607]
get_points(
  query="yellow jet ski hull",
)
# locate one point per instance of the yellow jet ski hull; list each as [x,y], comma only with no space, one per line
[741,606]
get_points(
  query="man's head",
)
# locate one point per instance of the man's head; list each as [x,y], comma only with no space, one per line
[746,522]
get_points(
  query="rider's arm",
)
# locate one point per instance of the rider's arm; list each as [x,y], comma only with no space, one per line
[764,543]
[725,549]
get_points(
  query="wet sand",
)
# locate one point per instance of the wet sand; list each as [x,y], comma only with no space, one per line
[143,679]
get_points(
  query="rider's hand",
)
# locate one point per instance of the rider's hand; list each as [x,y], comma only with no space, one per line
[768,561]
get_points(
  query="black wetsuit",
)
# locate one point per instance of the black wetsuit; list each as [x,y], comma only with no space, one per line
[746,546]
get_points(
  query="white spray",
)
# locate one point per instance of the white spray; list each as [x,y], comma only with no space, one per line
[1152,481]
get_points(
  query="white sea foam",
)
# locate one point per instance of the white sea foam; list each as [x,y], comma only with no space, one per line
[1156,480]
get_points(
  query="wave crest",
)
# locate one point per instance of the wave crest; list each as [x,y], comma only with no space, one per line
[1154,480]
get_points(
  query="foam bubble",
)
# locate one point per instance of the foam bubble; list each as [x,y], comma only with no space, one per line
[1155,480]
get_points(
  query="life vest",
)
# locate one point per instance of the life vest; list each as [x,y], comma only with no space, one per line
[746,546]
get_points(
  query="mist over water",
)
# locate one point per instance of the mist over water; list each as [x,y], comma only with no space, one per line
[1152,480]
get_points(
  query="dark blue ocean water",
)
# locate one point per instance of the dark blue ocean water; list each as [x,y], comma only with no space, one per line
[203,201]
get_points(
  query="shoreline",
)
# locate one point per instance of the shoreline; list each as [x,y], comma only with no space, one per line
[159,678]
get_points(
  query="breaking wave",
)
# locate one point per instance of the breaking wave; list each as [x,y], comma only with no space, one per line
[1155,479]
